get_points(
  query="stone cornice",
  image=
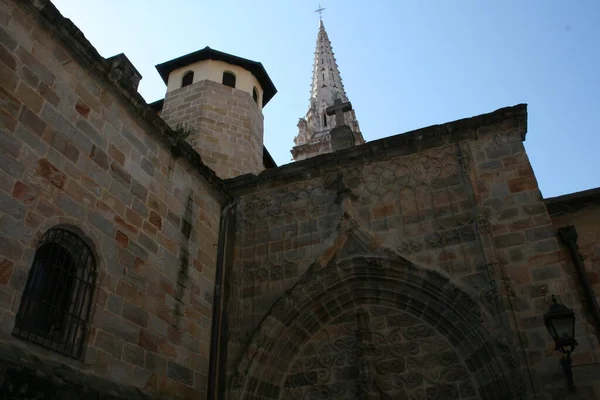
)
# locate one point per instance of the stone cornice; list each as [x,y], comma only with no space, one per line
[84,52]
[513,119]
[572,202]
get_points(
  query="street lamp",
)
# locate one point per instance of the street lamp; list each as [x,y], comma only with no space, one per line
[560,322]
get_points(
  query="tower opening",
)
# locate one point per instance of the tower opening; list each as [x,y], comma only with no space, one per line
[228,79]
[187,79]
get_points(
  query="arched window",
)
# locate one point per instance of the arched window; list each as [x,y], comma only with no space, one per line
[255,95]
[57,299]
[325,120]
[187,79]
[228,79]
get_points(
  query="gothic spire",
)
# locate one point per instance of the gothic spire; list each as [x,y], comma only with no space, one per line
[313,136]
[326,80]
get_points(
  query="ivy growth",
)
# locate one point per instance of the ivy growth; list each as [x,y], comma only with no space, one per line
[181,133]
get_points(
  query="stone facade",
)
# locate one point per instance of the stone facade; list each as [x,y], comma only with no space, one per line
[227,126]
[444,227]
[417,266]
[76,153]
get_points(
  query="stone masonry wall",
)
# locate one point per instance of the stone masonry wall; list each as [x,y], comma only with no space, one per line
[526,255]
[72,152]
[419,206]
[587,224]
[228,126]
[459,199]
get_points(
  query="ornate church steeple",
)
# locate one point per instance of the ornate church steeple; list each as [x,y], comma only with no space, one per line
[314,129]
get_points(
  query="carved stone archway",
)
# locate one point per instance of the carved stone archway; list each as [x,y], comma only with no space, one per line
[326,293]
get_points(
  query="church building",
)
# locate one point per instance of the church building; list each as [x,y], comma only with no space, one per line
[156,251]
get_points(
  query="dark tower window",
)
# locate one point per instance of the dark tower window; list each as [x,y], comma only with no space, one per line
[57,299]
[228,79]
[187,79]
[255,95]
[325,120]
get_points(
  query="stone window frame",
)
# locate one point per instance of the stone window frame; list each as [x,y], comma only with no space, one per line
[187,79]
[228,81]
[57,300]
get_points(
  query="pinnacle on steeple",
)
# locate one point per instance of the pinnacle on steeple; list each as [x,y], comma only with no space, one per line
[313,137]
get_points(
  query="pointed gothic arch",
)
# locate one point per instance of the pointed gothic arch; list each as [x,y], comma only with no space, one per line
[324,293]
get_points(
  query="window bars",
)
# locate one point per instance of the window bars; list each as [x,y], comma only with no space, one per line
[57,298]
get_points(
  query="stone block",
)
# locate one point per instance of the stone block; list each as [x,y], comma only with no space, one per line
[133,354]
[114,304]
[121,192]
[29,97]
[100,157]
[141,377]
[149,341]
[18,279]
[157,325]
[120,371]
[534,209]
[12,206]
[104,225]
[10,165]
[179,373]
[137,143]
[52,174]
[10,145]
[155,219]
[545,246]
[48,94]
[547,272]
[24,193]
[137,250]
[122,238]
[135,314]
[15,228]
[509,239]
[133,218]
[38,68]
[540,233]
[148,243]
[116,154]
[121,328]
[155,363]
[120,174]
[147,166]
[65,128]
[88,130]
[6,269]
[109,343]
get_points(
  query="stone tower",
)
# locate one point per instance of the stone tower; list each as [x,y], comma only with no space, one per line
[314,129]
[220,97]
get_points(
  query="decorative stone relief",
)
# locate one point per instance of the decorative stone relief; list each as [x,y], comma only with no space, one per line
[378,352]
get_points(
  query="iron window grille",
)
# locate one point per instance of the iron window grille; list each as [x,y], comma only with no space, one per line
[57,299]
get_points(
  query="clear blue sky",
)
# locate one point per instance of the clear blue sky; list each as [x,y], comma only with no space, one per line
[405,64]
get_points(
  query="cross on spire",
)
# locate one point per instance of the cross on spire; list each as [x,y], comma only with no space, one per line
[338,108]
[320,11]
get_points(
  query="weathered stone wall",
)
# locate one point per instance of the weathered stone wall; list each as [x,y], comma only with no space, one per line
[380,200]
[75,151]
[228,126]
[586,221]
[526,255]
[458,200]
